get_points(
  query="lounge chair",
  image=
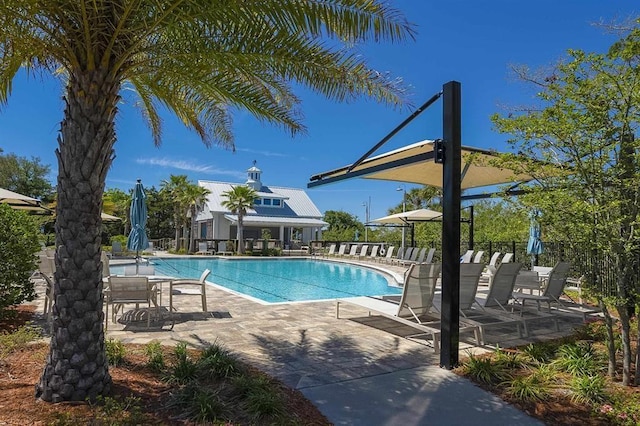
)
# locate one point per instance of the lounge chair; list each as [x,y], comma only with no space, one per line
[223,249]
[353,251]
[186,287]
[116,249]
[363,252]
[398,256]
[478,257]
[46,266]
[388,255]
[373,256]
[507,258]
[341,250]
[48,296]
[554,288]
[467,257]
[429,258]
[415,307]
[483,316]
[332,250]
[410,256]
[204,249]
[491,268]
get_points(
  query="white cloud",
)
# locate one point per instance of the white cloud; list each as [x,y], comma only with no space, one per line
[265,153]
[189,166]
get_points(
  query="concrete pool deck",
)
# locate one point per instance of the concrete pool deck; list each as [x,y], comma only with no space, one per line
[358,370]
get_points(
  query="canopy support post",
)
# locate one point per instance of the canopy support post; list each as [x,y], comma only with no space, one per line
[452,143]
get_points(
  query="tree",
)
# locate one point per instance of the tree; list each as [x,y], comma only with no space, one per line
[175,188]
[342,226]
[24,176]
[117,202]
[240,198]
[199,60]
[195,196]
[18,247]
[159,211]
[585,126]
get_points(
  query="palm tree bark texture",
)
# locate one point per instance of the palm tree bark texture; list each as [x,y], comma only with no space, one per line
[77,367]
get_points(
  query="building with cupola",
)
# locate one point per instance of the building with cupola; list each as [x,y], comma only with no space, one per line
[284,214]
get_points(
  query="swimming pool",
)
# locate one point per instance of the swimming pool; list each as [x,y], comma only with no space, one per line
[279,280]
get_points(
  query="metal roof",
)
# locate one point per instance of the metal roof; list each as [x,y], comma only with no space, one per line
[277,221]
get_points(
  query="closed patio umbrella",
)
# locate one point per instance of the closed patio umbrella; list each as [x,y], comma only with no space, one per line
[138,240]
[535,247]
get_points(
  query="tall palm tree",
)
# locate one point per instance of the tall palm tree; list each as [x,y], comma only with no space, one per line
[199,60]
[195,196]
[177,187]
[239,199]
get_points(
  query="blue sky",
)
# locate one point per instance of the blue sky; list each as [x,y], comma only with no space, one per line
[473,42]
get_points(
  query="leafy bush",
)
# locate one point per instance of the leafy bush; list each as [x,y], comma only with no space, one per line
[115,351]
[588,389]
[218,362]
[532,387]
[485,370]
[155,356]
[18,339]
[540,352]
[18,246]
[199,404]
[578,359]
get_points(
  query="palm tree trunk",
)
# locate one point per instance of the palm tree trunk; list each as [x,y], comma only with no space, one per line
[239,235]
[77,367]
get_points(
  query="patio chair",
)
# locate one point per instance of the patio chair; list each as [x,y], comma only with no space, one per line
[116,249]
[553,289]
[204,249]
[418,256]
[413,258]
[478,257]
[187,287]
[223,249]
[415,307]
[332,250]
[341,250]
[429,258]
[48,296]
[507,258]
[46,266]
[363,252]
[466,258]
[482,316]
[353,251]
[388,255]
[373,256]
[406,256]
[130,290]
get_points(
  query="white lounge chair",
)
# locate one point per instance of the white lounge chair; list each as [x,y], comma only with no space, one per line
[466,258]
[204,249]
[341,250]
[363,252]
[388,255]
[353,251]
[504,278]
[223,249]
[410,256]
[332,250]
[187,287]
[373,256]
[507,258]
[415,307]
[478,257]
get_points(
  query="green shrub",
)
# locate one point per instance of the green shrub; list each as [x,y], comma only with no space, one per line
[199,404]
[541,352]
[485,370]
[155,355]
[263,403]
[18,339]
[218,362]
[588,389]
[17,257]
[115,351]
[532,387]
[114,412]
[578,359]
[508,359]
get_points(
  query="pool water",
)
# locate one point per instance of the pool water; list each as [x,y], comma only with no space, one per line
[279,280]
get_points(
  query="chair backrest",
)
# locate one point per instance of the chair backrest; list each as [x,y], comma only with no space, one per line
[466,258]
[129,289]
[429,258]
[419,289]
[46,265]
[204,275]
[507,258]
[408,253]
[478,257]
[501,284]
[374,251]
[400,253]
[202,247]
[342,249]
[354,250]
[116,247]
[222,246]
[105,264]
[557,280]
[389,253]
[421,256]
[332,249]
[494,258]
[470,274]
[363,250]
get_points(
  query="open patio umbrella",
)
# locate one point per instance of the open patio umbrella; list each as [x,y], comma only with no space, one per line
[535,247]
[138,240]
[21,202]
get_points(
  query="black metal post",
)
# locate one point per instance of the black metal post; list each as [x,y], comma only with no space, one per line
[451,120]
[413,235]
[471,227]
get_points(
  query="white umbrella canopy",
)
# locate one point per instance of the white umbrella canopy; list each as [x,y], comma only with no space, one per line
[20,202]
[420,215]
[109,218]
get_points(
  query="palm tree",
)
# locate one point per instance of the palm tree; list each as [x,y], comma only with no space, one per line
[177,187]
[195,196]
[239,199]
[199,60]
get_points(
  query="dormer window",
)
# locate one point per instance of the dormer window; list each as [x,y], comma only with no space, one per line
[277,202]
[266,201]
[258,201]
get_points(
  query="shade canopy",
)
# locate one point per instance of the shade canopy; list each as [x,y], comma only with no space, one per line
[138,240]
[415,164]
[20,202]
[420,215]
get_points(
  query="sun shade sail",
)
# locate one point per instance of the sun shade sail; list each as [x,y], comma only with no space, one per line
[415,164]
[19,201]
[420,215]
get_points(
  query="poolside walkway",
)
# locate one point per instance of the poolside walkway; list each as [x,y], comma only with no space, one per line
[358,370]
